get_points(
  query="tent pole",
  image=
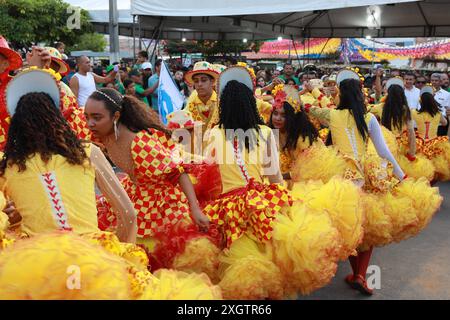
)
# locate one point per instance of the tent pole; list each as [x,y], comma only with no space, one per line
[134,37]
[295,48]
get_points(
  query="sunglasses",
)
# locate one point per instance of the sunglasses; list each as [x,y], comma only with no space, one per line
[420,81]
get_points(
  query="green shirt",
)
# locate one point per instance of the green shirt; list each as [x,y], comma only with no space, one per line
[140,92]
[296,80]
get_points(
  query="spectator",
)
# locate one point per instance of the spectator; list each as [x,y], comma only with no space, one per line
[420,82]
[130,89]
[141,58]
[60,46]
[411,92]
[276,74]
[153,83]
[83,83]
[72,70]
[288,73]
[442,97]
[179,81]
[260,82]
[137,78]
[445,82]
[146,73]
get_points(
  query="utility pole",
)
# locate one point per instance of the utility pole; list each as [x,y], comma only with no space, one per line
[113,32]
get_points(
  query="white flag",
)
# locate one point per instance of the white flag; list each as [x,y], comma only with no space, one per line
[170,98]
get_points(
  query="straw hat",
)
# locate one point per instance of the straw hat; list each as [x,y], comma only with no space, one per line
[58,59]
[201,67]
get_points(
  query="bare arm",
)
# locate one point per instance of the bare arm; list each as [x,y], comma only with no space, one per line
[272,171]
[411,138]
[74,85]
[186,185]
[109,78]
[110,186]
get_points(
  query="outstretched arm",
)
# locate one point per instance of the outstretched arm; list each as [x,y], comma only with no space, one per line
[382,149]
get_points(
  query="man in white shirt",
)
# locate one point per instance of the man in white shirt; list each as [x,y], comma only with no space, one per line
[411,92]
[83,83]
[443,98]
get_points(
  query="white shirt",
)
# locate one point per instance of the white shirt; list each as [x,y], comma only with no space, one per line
[443,98]
[413,97]
[86,85]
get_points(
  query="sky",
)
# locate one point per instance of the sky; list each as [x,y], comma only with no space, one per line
[99,4]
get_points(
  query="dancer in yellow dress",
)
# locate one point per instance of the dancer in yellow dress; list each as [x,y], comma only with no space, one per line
[49,174]
[313,171]
[436,148]
[272,249]
[170,222]
[396,121]
[403,214]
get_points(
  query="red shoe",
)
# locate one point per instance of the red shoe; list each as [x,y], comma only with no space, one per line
[360,284]
[350,280]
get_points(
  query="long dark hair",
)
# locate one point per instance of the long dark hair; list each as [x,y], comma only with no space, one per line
[134,114]
[352,99]
[238,111]
[428,104]
[38,127]
[297,124]
[395,111]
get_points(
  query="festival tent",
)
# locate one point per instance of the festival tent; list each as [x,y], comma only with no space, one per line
[266,19]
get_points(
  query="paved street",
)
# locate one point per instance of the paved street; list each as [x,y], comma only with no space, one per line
[418,268]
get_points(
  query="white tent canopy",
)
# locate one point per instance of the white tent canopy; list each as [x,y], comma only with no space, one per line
[268,19]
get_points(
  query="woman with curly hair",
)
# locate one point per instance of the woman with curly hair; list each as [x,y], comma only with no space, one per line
[50,174]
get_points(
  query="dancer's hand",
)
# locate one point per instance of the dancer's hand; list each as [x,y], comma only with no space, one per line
[12,213]
[200,219]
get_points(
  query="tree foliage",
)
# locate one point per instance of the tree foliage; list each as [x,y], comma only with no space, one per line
[90,41]
[28,22]
[210,48]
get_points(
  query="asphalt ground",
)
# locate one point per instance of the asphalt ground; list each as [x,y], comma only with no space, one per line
[417,268]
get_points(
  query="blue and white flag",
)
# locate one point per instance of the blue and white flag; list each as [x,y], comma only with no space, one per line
[170,98]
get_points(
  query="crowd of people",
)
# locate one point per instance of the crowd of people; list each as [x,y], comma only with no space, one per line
[256,189]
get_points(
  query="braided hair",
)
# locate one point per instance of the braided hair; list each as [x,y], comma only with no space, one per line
[38,127]
[238,111]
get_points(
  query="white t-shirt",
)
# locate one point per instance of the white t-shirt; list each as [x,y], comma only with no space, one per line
[86,85]
[413,97]
[443,98]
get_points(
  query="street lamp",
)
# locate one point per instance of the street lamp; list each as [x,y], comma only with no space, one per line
[184,39]
[244,40]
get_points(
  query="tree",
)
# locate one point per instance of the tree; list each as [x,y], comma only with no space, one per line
[28,22]
[211,47]
[90,41]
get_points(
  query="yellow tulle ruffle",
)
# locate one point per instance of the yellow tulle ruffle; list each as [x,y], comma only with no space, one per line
[200,255]
[248,272]
[317,162]
[61,266]
[400,214]
[341,199]
[167,284]
[306,247]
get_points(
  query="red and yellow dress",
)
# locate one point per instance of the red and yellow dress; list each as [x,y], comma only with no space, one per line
[436,148]
[163,215]
[392,210]
[275,248]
